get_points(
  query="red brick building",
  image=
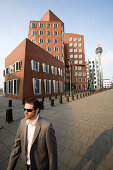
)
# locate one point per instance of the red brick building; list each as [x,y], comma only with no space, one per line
[74,53]
[39,66]
[48,34]
[30,71]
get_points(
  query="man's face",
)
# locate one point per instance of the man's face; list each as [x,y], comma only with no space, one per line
[30,113]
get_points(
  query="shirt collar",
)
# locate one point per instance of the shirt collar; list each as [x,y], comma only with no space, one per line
[34,122]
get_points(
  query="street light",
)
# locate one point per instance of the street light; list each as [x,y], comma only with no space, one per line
[69,62]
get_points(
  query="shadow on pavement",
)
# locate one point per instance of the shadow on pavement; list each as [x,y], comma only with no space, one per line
[97,152]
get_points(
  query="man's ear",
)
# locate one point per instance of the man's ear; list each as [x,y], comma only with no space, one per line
[37,111]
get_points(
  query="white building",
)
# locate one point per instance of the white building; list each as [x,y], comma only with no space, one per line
[93,74]
[107,83]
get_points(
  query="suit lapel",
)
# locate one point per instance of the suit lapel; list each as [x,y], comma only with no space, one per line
[37,130]
[25,136]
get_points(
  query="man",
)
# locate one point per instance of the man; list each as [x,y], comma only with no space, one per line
[35,140]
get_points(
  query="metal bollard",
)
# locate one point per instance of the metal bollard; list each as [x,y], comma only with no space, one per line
[49,97]
[52,102]
[67,98]
[80,95]
[10,103]
[41,105]
[77,96]
[72,97]
[9,115]
[60,99]
[43,98]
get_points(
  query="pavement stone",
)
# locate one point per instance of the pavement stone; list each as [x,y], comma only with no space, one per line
[84,131]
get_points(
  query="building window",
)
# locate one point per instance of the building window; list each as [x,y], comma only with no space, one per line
[48,41]
[84,74]
[56,56]
[79,45]
[84,86]
[84,80]
[36,86]
[80,86]
[80,62]
[74,39]
[55,25]
[80,80]
[15,86]
[76,61]
[75,80]
[5,87]
[75,44]
[49,49]
[70,39]
[55,85]
[48,25]
[9,86]
[75,56]
[79,39]
[80,50]
[18,66]
[49,33]
[60,71]
[35,65]
[79,67]
[41,41]
[79,74]
[45,68]
[7,71]
[75,73]
[41,25]
[80,56]
[41,32]
[71,56]
[11,69]
[54,70]
[74,86]
[60,86]
[75,67]
[56,49]
[55,41]
[34,33]
[55,33]
[70,50]
[70,44]
[33,40]
[75,50]
[47,85]
[34,25]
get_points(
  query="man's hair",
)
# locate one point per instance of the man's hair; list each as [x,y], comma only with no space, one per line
[34,102]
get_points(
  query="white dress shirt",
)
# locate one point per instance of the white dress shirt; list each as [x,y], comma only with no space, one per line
[30,134]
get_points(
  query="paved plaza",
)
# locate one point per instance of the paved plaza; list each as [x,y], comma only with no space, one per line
[84,131]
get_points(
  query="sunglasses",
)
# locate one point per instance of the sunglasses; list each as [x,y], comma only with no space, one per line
[28,110]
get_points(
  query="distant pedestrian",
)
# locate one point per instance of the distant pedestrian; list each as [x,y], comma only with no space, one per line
[35,140]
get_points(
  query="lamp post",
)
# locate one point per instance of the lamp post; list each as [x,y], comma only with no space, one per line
[69,62]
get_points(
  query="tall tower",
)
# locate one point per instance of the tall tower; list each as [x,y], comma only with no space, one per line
[99,52]
[100,74]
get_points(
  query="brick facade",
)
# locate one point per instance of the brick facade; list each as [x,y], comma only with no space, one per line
[27,53]
[74,52]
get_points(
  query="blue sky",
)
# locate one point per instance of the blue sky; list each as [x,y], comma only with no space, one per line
[91,18]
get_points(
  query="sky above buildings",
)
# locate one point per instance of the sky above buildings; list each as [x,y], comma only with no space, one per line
[91,18]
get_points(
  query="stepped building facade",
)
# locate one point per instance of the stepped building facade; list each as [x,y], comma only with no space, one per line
[49,62]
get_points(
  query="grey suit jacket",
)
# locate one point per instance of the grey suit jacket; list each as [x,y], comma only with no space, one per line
[43,154]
